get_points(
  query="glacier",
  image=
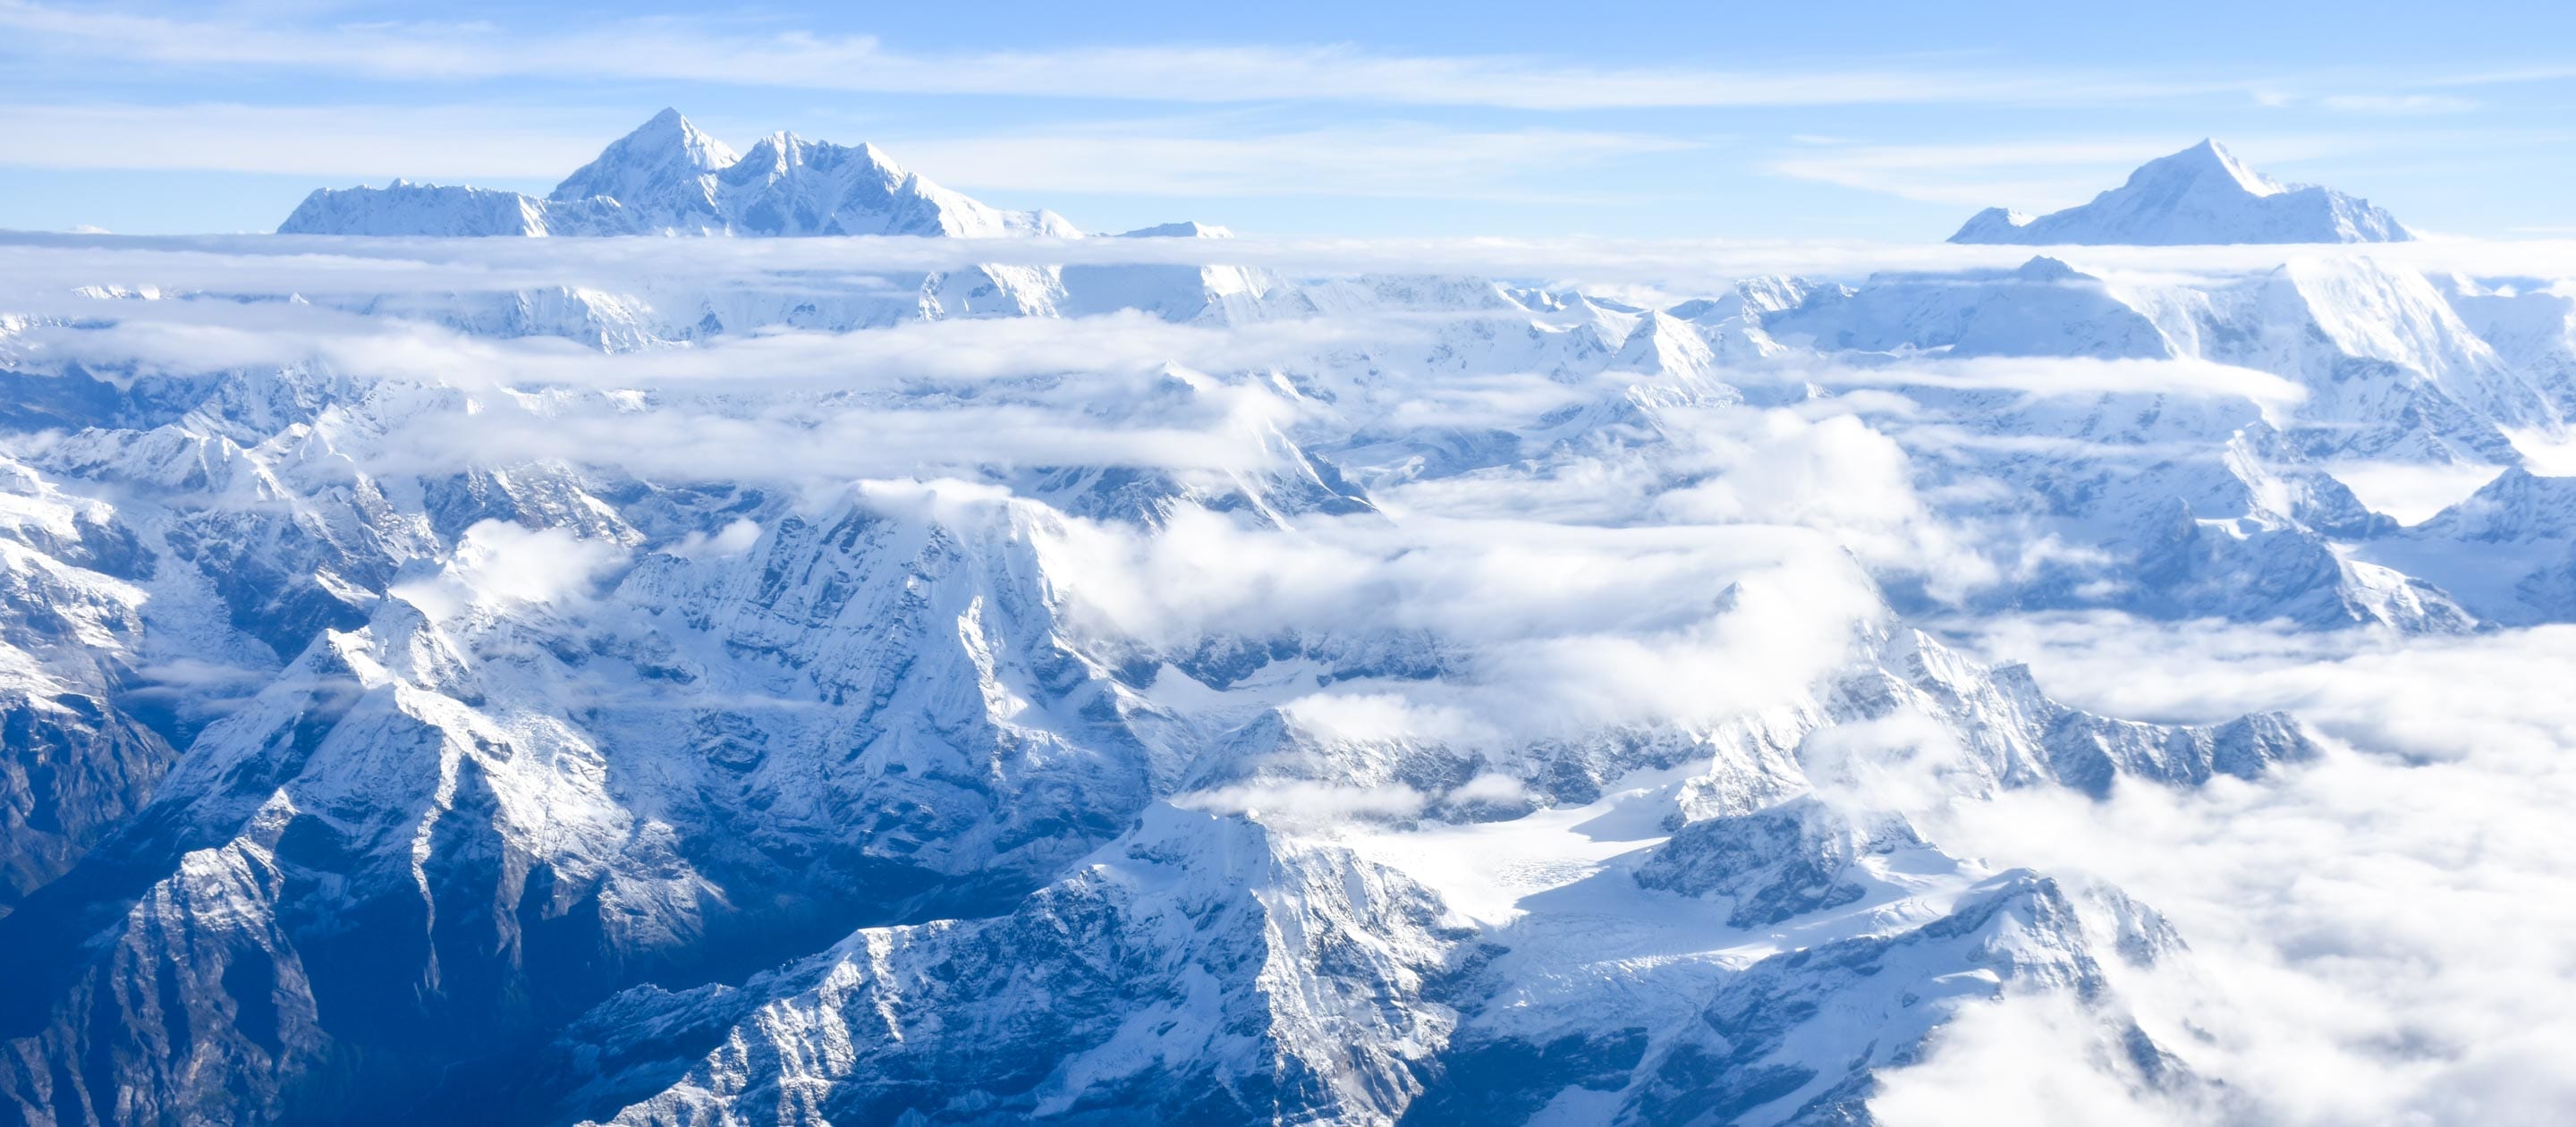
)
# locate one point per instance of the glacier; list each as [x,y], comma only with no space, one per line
[628,681]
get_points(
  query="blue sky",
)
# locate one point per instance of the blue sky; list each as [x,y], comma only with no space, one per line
[1854,120]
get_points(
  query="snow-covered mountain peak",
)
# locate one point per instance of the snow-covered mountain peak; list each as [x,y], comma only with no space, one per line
[669,178]
[2042,268]
[2205,163]
[1993,225]
[2201,195]
[666,163]
[778,154]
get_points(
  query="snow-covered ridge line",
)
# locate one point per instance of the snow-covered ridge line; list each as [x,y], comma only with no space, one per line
[667,178]
[2201,195]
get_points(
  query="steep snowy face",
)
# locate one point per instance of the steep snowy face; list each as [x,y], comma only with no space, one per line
[833,726]
[1203,967]
[2530,322]
[72,591]
[1233,969]
[2387,366]
[786,186]
[664,174]
[2201,195]
[668,178]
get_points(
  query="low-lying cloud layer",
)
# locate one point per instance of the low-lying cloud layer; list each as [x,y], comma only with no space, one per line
[42,267]
[2376,937]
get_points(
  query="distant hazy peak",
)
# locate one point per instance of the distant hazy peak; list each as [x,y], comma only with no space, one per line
[2201,195]
[2207,160]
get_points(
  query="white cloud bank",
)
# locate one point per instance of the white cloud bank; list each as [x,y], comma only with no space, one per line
[2379,937]
[40,268]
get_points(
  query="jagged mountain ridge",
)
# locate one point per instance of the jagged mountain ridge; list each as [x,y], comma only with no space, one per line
[414,672]
[667,178]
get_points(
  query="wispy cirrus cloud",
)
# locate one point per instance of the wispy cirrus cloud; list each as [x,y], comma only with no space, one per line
[2402,104]
[367,141]
[1382,159]
[686,50]
[1161,157]
[1970,175]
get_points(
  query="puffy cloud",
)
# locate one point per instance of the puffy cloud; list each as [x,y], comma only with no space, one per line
[1903,761]
[733,539]
[2008,1065]
[1306,804]
[501,563]
[1489,789]
[1379,717]
[1541,628]
[1835,474]
[2375,937]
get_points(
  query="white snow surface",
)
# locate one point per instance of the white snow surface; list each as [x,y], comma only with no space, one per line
[2201,195]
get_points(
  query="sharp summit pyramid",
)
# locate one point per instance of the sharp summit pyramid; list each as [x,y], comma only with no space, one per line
[2201,195]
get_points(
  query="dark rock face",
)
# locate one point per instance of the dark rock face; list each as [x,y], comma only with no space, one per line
[75,769]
